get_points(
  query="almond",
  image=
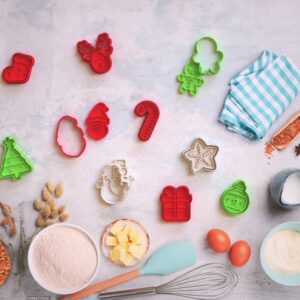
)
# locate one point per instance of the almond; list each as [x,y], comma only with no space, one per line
[46,194]
[59,190]
[61,209]
[63,217]
[37,203]
[46,212]
[51,187]
[40,221]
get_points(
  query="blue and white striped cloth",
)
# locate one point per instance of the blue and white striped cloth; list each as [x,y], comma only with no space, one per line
[259,94]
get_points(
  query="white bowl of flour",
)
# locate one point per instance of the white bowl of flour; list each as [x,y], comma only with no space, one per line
[63,258]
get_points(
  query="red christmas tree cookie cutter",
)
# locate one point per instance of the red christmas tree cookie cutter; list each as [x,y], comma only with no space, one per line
[150,110]
[82,138]
[20,69]
[176,204]
[99,57]
[97,122]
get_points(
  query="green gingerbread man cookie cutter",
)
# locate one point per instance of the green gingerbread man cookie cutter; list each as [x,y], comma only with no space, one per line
[14,163]
[235,199]
[215,68]
[190,79]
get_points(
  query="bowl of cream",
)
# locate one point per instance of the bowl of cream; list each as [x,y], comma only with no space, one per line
[63,258]
[280,254]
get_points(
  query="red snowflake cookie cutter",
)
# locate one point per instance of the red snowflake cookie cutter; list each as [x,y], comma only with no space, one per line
[20,69]
[97,121]
[176,204]
[61,146]
[99,57]
[150,110]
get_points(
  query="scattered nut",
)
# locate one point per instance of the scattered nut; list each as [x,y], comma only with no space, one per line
[51,203]
[46,194]
[63,217]
[46,212]
[59,190]
[61,209]
[54,213]
[50,222]
[40,221]
[37,204]
[51,187]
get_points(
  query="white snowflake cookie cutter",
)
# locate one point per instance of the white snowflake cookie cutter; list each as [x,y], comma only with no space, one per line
[114,182]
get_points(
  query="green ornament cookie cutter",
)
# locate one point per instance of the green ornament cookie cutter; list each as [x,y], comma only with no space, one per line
[14,163]
[217,64]
[235,199]
[190,79]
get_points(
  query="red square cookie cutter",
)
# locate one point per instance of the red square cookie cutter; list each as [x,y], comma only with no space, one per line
[176,204]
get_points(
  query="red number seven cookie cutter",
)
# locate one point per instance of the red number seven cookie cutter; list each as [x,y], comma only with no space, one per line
[98,57]
[61,146]
[150,110]
[176,204]
[20,69]
[97,122]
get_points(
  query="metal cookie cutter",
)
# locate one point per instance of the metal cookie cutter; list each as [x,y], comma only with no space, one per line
[114,182]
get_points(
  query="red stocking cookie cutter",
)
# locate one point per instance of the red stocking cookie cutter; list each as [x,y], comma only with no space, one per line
[82,138]
[150,110]
[176,204]
[98,57]
[97,122]
[20,69]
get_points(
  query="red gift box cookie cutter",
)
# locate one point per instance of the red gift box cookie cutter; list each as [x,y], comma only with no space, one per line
[97,122]
[75,123]
[20,69]
[99,57]
[176,204]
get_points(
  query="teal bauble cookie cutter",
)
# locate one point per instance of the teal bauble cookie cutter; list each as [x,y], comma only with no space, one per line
[216,66]
[190,79]
[14,163]
[235,199]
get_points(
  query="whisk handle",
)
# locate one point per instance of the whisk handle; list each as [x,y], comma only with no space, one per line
[128,293]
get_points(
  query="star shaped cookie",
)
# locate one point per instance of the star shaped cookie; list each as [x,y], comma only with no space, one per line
[201,156]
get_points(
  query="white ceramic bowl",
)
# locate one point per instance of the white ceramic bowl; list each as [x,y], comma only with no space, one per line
[35,274]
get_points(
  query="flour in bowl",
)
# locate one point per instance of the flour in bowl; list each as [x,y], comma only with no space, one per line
[64,257]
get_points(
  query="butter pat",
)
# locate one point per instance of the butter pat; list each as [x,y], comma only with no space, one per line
[115,253]
[122,238]
[111,241]
[116,228]
[136,251]
[126,258]
[135,236]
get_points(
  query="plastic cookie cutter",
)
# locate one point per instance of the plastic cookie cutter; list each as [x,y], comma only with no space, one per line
[176,204]
[235,199]
[65,143]
[14,163]
[213,68]
[114,182]
[150,111]
[99,57]
[201,156]
[190,79]
[97,122]
[20,69]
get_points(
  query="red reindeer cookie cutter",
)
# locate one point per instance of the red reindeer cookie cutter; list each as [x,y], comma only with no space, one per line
[82,138]
[150,110]
[20,69]
[176,204]
[99,57]
[97,121]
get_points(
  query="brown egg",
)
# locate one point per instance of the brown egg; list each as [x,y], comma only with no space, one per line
[218,240]
[240,253]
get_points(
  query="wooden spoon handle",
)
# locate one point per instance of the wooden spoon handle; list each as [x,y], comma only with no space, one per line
[100,286]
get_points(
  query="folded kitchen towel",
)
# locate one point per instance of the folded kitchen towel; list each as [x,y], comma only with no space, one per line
[259,94]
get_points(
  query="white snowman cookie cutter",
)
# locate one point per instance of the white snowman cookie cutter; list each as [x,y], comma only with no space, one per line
[114,182]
